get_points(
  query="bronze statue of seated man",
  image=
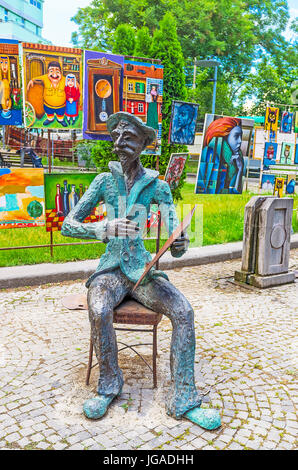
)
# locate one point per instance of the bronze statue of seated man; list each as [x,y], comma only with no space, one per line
[127,191]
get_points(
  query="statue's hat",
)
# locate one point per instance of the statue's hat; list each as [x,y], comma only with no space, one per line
[114,119]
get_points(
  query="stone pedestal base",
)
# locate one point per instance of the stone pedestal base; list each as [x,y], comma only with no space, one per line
[265,281]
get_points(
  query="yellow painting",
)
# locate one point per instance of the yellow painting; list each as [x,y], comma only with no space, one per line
[21,197]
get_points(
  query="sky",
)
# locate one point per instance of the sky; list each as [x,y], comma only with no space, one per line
[58,27]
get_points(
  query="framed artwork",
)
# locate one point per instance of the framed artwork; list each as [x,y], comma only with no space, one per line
[224,156]
[270,153]
[267,182]
[279,186]
[286,122]
[52,86]
[183,122]
[296,123]
[287,153]
[296,155]
[271,118]
[62,193]
[103,88]
[142,96]
[175,169]
[21,197]
[291,184]
[10,84]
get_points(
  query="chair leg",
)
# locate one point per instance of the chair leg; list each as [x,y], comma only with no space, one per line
[89,362]
[154,355]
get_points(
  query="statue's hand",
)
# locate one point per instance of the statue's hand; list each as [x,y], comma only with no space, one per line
[180,246]
[122,228]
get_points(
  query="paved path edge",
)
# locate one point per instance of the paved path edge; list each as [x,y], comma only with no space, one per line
[46,273]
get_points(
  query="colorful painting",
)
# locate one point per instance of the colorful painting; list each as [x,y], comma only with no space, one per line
[52,78]
[296,155]
[62,193]
[270,153]
[142,96]
[286,153]
[224,156]
[296,123]
[271,118]
[175,169]
[290,184]
[10,84]
[21,197]
[286,122]
[267,182]
[279,186]
[183,123]
[103,89]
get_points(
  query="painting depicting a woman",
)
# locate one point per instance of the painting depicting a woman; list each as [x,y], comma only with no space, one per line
[222,164]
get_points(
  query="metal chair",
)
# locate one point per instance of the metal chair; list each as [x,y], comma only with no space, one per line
[131,312]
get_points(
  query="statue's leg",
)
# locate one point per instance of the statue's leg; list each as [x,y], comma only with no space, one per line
[183,399]
[161,296]
[105,292]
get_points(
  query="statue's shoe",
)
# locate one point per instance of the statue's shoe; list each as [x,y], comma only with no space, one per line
[205,417]
[96,408]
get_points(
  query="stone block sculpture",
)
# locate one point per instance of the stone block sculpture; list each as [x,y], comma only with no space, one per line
[266,242]
[127,191]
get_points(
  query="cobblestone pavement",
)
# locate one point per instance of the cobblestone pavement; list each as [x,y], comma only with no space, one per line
[246,360]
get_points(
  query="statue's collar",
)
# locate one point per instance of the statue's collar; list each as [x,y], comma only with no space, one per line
[116,170]
[139,185]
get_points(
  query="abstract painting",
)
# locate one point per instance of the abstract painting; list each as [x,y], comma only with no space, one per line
[21,197]
[10,84]
[52,86]
[271,118]
[142,96]
[286,122]
[287,153]
[224,156]
[103,90]
[267,182]
[62,193]
[183,122]
[270,153]
[175,169]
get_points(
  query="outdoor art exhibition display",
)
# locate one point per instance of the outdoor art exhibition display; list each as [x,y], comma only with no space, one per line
[10,84]
[103,86]
[224,156]
[21,197]
[142,96]
[175,169]
[127,191]
[183,122]
[271,119]
[52,86]
[266,242]
[62,192]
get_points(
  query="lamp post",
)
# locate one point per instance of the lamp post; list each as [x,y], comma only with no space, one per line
[210,63]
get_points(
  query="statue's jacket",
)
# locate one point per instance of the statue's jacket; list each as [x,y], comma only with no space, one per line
[128,254]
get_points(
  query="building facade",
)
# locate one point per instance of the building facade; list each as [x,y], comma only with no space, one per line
[22,20]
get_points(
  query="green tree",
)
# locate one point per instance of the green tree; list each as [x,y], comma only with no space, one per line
[124,40]
[143,43]
[167,48]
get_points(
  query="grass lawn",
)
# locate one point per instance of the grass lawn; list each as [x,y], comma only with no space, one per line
[221,221]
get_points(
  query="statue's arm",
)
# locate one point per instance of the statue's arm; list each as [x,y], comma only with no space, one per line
[73,225]
[163,197]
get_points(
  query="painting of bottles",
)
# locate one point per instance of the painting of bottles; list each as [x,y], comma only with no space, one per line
[62,192]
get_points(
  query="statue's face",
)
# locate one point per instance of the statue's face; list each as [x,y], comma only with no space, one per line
[128,141]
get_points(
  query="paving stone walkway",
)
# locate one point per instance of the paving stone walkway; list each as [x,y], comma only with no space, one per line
[246,365]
